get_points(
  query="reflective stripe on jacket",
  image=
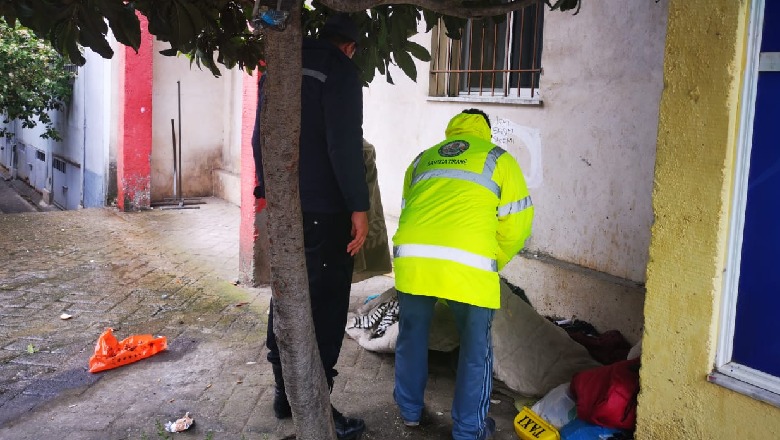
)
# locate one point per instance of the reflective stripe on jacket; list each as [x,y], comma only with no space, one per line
[466,212]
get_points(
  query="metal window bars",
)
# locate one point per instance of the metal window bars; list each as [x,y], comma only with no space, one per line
[492,59]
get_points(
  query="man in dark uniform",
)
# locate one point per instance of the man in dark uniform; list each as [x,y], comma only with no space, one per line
[334,195]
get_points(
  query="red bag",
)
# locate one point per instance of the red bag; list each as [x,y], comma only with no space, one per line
[606,396]
[110,353]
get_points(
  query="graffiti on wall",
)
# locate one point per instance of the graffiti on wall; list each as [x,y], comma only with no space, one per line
[524,143]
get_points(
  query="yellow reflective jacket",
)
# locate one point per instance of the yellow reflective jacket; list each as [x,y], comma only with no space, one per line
[466,212]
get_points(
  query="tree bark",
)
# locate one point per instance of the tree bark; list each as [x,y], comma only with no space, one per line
[304,378]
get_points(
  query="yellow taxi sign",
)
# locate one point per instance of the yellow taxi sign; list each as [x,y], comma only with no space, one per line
[530,426]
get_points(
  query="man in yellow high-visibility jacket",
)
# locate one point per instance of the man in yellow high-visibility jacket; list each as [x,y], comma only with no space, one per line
[466,212]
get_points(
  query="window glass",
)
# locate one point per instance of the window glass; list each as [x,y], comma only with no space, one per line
[755,344]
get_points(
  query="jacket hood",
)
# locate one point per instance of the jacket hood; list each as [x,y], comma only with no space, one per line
[468,124]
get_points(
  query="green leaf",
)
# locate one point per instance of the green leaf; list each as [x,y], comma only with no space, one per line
[181,25]
[418,51]
[64,37]
[169,52]
[232,19]
[32,349]
[454,26]
[92,32]
[195,15]
[406,63]
[565,5]
[383,28]
[123,22]
[431,19]
[381,66]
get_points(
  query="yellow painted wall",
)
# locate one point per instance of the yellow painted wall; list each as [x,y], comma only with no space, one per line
[698,122]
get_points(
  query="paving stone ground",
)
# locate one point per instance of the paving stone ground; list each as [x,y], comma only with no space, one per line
[170,273]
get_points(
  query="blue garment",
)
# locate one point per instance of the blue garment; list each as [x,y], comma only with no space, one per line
[474,380]
[581,430]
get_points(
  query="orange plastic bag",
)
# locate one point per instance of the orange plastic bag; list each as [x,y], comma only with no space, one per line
[110,353]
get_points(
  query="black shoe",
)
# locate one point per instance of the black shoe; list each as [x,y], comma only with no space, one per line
[282,408]
[347,428]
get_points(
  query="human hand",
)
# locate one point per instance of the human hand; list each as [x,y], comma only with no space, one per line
[359,232]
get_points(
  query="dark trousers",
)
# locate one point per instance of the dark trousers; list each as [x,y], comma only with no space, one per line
[329,267]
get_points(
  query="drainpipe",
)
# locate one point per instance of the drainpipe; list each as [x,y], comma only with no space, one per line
[14,154]
[84,139]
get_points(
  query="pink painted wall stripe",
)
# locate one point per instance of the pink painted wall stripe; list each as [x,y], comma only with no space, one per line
[249,208]
[135,142]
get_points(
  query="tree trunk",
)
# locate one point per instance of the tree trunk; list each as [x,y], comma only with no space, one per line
[304,377]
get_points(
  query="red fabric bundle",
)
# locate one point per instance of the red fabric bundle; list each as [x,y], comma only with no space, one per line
[606,396]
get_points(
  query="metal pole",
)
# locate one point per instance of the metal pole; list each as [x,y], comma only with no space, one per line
[178,196]
[175,164]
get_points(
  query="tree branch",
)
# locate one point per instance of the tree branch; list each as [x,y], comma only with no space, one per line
[454,8]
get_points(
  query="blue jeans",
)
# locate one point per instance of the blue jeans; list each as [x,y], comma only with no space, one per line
[474,379]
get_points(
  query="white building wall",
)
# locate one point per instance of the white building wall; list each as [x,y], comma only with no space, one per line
[88,128]
[227,178]
[205,110]
[28,142]
[597,130]
[84,127]
[116,79]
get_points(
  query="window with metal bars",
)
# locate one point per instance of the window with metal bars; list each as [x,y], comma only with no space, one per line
[493,58]
[58,164]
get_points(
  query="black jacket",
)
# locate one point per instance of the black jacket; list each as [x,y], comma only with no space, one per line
[332,173]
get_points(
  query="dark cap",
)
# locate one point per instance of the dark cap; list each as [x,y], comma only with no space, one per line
[341,25]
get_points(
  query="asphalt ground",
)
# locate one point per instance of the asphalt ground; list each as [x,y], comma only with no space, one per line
[170,273]
[11,199]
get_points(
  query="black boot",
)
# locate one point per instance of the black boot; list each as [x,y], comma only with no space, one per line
[347,428]
[282,408]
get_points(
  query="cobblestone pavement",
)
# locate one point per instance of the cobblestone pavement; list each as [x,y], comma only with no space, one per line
[170,273]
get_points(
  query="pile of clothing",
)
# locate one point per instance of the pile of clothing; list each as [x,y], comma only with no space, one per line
[584,385]
[598,404]
[531,354]
[374,325]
